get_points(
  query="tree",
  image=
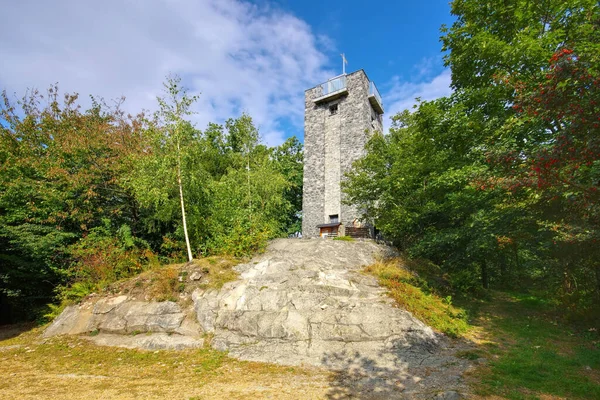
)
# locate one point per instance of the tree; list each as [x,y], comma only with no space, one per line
[242,140]
[248,205]
[531,68]
[91,196]
[60,175]
[418,185]
[289,160]
[171,139]
[499,181]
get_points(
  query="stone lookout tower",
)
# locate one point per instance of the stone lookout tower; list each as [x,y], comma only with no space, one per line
[340,116]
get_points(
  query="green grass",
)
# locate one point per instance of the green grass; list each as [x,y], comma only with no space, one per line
[344,238]
[532,352]
[537,354]
[412,294]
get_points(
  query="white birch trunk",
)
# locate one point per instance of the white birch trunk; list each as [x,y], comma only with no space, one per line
[185,232]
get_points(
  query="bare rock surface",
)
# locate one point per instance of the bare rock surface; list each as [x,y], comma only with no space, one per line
[121,315]
[302,302]
[305,302]
[148,341]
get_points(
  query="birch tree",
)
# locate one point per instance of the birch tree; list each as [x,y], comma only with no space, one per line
[174,106]
[160,178]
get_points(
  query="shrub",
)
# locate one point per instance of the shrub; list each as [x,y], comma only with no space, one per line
[105,256]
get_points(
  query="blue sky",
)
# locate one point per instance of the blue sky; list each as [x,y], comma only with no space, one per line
[256,57]
[394,38]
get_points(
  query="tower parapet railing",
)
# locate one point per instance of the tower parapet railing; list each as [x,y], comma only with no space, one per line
[375,98]
[373,91]
[334,85]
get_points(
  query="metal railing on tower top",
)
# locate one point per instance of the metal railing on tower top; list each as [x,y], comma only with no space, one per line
[334,84]
[373,90]
[339,82]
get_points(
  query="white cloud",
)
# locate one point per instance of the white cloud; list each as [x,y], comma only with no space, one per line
[401,95]
[241,57]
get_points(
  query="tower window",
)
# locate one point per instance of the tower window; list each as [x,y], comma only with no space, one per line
[334,219]
[333,109]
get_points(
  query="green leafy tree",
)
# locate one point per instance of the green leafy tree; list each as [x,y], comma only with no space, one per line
[60,171]
[162,171]
[531,69]
[248,203]
[289,160]
[498,182]
[418,185]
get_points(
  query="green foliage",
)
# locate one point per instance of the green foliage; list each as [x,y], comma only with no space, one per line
[531,71]
[248,204]
[88,197]
[106,255]
[289,160]
[497,184]
[417,184]
[235,191]
[59,172]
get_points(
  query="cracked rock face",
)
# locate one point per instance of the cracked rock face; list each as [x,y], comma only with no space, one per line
[118,315]
[305,302]
[301,302]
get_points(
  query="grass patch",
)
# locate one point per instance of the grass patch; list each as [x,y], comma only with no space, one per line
[157,283]
[218,271]
[413,294]
[537,355]
[169,282]
[164,283]
[469,354]
[70,367]
[344,238]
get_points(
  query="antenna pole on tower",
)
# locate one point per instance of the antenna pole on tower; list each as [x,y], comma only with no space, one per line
[344,62]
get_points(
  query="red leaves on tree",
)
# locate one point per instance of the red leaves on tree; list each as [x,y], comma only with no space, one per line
[563,104]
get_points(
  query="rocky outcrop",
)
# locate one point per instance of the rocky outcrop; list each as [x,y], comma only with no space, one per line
[119,315]
[304,301]
[148,341]
[301,302]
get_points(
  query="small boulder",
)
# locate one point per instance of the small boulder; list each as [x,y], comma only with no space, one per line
[195,276]
[449,395]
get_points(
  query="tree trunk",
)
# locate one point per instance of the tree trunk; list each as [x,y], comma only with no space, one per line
[598,282]
[249,190]
[185,232]
[485,279]
[503,269]
[517,260]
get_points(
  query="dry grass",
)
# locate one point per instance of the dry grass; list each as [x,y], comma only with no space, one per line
[413,295]
[73,368]
[171,282]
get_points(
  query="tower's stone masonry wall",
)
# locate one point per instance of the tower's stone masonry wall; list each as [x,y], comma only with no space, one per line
[332,165]
[313,195]
[331,144]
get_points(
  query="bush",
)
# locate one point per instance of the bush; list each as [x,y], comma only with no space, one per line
[104,256]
